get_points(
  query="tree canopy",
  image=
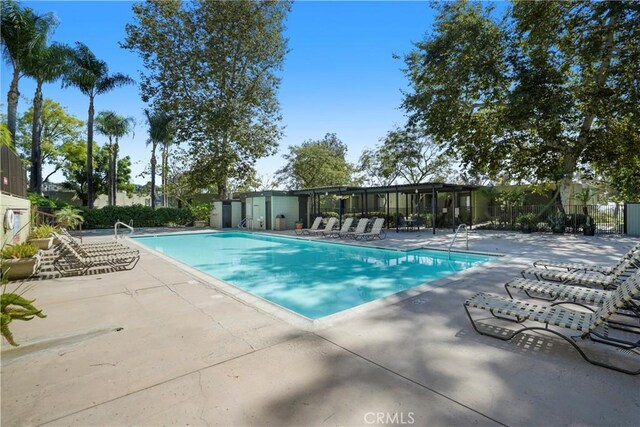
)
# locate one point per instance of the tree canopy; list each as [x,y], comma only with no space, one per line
[316,163]
[537,95]
[212,66]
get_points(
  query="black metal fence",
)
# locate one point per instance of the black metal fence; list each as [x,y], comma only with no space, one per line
[13,176]
[608,219]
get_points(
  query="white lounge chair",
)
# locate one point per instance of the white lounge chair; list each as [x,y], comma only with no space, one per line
[346,225]
[314,226]
[576,267]
[376,231]
[331,222]
[360,228]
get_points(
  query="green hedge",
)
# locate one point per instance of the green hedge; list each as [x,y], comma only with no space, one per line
[142,216]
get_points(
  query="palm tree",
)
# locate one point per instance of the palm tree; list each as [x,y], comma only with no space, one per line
[22,31]
[114,127]
[159,133]
[165,171]
[91,76]
[46,64]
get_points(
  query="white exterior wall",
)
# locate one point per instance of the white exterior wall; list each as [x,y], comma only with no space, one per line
[287,206]
[216,215]
[236,213]
[255,210]
[19,232]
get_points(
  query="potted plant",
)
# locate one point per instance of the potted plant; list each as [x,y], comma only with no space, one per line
[201,213]
[589,228]
[527,222]
[42,237]
[557,222]
[299,224]
[20,261]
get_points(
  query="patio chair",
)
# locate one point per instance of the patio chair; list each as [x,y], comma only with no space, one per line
[587,278]
[92,248]
[73,262]
[575,267]
[331,222]
[376,231]
[592,326]
[360,228]
[346,225]
[314,226]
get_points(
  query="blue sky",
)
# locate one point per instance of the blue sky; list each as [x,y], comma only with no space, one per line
[339,75]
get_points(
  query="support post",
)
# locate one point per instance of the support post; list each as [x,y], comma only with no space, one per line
[434,208]
[397,213]
[453,213]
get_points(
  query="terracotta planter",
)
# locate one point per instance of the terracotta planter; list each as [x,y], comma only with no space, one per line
[42,243]
[299,225]
[20,268]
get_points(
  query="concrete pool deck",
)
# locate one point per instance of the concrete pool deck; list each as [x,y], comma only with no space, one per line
[160,346]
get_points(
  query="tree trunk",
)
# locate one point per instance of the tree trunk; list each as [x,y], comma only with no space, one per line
[90,154]
[165,175]
[110,174]
[153,175]
[114,179]
[35,180]
[12,105]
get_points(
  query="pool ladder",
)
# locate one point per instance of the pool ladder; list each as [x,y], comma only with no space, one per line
[455,236]
[118,224]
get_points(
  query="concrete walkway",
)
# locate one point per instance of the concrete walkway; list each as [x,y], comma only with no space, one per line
[159,346]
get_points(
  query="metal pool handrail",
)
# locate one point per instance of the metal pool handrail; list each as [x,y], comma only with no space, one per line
[119,223]
[455,236]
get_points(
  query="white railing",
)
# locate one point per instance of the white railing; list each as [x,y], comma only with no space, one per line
[120,223]
[455,236]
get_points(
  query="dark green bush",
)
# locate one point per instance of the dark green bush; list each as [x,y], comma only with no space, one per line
[41,201]
[142,216]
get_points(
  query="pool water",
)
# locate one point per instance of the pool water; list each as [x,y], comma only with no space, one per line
[312,278]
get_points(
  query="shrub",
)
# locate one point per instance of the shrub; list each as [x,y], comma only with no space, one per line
[69,217]
[142,216]
[22,250]
[200,211]
[43,231]
[41,201]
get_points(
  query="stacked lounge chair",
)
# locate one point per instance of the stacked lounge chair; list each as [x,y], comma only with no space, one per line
[593,325]
[78,259]
[346,225]
[576,267]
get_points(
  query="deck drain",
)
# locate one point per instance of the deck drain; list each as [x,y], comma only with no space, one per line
[418,301]
[118,329]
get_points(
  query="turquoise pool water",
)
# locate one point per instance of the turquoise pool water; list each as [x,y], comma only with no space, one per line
[312,278]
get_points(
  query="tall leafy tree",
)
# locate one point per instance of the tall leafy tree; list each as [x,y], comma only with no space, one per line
[56,127]
[74,170]
[405,155]
[91,76]
[159,134]
[46,64]
[212,65]
[114,127]
[538,94]
[23,31]
[316,163]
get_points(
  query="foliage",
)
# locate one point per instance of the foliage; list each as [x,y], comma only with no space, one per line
[23,31]
[142,216]
[5,135]
[406,155]
[514,197]
[527,220]
[553,87]
[160,133]
[38,200]
[21,250]
[212,65]
[57,127]
[43,231]
[74,167]
[68,217]
[200,211]
[317,163]
[91,76]
[114,127]
[556,222]
[13,306]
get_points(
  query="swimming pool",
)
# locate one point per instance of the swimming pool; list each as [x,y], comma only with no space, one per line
[312,278]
